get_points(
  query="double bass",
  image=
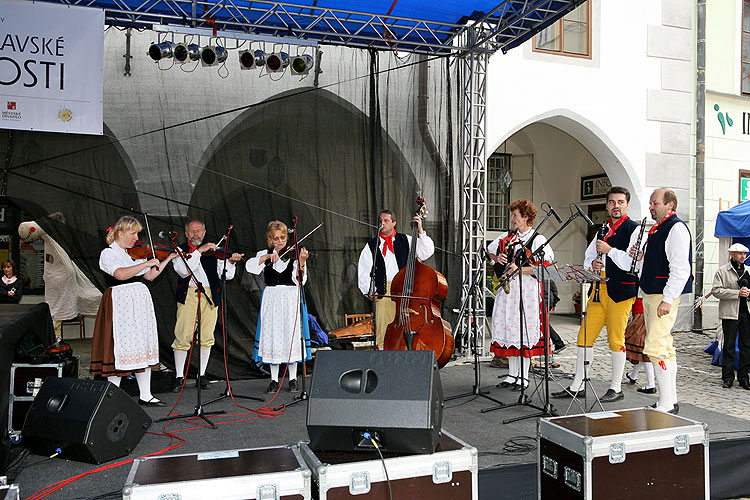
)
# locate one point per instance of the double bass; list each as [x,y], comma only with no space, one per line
[418,290]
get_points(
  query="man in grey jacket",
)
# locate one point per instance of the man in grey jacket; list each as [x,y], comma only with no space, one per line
[730,286]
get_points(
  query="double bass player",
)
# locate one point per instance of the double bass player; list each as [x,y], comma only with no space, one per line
[391,250]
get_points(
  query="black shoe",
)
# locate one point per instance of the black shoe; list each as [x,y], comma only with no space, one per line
[631,380]
[203,380]
[273,386]
[647,390]
[517,387]
[567,393]
[177,384]
[151,402]
[611,396]
[673,411]
[293,385]
[727,384]
[745,385]
[559,348]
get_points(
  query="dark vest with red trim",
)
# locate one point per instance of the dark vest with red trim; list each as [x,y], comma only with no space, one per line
[620,285]
[209,266]
[400,249]
[655,264]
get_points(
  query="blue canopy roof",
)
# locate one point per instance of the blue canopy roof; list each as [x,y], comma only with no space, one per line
[410,25]
[735,222]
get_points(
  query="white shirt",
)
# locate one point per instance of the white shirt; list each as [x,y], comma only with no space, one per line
[114,257]
[621,258]
[425,249]
[254,266]
[677,248]
[549,255]
[194,263]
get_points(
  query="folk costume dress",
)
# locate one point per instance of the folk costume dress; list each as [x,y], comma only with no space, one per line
[506,321]
[277,336]
[125,334]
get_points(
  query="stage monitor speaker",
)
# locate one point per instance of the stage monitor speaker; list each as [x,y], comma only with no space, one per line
[395,396]
[88,420]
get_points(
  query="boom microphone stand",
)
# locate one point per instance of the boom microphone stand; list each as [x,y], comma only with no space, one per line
[227,391]
[473,295]
[198,412]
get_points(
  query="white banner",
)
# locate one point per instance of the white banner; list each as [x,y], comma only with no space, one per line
[51,67]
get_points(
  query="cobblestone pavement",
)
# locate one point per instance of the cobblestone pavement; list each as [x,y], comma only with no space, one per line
[698,381]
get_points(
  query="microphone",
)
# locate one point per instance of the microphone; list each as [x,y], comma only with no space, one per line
[583,214]
[743,282]
[554,214]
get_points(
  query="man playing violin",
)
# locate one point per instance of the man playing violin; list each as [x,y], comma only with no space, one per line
[207,270]
[392,253]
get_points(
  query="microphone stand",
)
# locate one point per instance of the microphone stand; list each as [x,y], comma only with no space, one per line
[373,287]
[227,390]
[302,396]
[473,295]
[198,411]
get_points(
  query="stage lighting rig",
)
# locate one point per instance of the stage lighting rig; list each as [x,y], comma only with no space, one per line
[159,51]
[213,55]
[277,62]
[301,64]
[184,53]
[252,59]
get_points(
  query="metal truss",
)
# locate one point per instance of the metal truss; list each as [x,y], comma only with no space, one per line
[473,194]
[511,22]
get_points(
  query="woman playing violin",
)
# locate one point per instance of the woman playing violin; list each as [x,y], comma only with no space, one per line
[277,337]
[125,336]
[506,322]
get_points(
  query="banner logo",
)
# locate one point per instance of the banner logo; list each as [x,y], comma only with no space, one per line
[11,105]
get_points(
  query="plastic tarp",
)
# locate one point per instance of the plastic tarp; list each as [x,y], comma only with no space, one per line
[734,223]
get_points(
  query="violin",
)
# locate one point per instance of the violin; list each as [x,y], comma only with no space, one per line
[220,253]
[142,250]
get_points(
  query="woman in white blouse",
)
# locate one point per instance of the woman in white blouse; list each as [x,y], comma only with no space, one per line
[277,337]
[125,335]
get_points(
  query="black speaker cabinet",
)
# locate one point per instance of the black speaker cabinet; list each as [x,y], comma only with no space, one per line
[394,396]
[88,420]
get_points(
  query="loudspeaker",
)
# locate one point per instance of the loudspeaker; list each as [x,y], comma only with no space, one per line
[395,396]
[87,420]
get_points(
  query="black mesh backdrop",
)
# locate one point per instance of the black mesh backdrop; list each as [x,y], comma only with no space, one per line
[314,155]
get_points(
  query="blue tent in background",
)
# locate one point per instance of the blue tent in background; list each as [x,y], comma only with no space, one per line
[734,223]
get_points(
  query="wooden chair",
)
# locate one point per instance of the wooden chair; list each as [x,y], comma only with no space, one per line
[350,319]
[78,320]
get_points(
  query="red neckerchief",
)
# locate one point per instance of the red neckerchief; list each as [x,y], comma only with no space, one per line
[191,247]
[651,231]
[388,243]
[613,228]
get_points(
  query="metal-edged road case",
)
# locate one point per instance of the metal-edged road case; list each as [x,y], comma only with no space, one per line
[449,473]
[272,473]
[623,454]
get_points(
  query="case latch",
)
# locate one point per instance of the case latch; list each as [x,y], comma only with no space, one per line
[359,483]
[681,444]
[549,466]
[617,453]
[442,472]
[267,492]
[572,478]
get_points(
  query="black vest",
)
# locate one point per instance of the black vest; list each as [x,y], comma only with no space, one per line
[214,282]
[275,278]
[620,285]
[400,248]
[655,264]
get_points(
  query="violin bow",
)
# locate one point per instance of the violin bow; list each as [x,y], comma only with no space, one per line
[301,240]
[150,240]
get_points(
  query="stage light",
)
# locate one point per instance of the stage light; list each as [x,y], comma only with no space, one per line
[301,64]
[252,60]
[212,55]
[159,51]
[184,53]
[276,62]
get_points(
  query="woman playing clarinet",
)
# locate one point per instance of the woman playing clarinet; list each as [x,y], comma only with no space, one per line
[507,338]
[125,335]
[279,330]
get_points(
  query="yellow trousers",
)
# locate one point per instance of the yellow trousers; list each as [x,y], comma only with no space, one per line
[605,312]
[385,313]
[659,345]
[186,318]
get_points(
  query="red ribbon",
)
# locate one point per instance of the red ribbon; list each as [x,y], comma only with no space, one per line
[388,243]
[615,226]
[651,231]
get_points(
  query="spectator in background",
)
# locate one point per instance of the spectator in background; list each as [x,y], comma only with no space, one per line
[11,286]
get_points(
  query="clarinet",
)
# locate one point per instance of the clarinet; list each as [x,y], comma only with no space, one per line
[599,236]
[637,248]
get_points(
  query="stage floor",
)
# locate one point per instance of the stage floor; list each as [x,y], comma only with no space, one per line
[498,444]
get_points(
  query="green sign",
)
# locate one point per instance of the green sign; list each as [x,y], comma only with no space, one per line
[744,189]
